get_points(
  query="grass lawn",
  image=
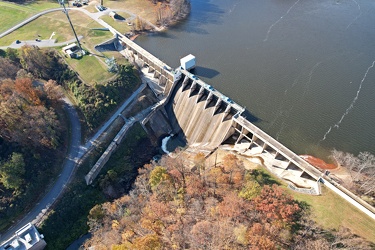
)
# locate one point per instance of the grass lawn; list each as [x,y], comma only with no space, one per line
[10,17]
[90,69]
[43,26]
[12,14]
[120,26]
[91,8]
[40,5]
[142,8]
[58,23]
[331,211]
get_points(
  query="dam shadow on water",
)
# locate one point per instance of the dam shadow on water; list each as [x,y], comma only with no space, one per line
[205,72]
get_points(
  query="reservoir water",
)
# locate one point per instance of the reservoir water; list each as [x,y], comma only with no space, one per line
[304,69]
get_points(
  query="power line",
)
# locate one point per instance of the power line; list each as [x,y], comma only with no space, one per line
[61,2]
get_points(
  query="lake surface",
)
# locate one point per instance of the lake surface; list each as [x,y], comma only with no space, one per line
[304,69]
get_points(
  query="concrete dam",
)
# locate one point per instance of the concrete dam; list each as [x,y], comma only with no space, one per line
[207,119]
[202,114]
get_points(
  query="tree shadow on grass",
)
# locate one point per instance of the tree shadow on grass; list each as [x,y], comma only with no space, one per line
[263,178]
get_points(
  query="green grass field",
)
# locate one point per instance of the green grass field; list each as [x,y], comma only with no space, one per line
[142,8]
[331,211]
[12,14]
[58,23]
[121,27]
[90,69]
[10,17]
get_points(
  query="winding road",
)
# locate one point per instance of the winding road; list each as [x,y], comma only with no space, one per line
[75,153]
[76,149]
[69,165]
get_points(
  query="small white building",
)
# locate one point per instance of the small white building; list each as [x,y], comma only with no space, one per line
[70,49]
[112,14]
[188,62]
[26,238]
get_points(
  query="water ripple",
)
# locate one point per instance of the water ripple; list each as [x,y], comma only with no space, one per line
[272,25]
[351,106]
[360,13]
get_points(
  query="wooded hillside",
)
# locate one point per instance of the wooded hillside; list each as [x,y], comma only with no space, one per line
[179,204]
[31,125]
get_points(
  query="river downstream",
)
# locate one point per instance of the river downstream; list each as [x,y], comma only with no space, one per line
[304,69]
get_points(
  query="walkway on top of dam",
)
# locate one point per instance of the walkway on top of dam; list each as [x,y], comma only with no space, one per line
[212,90]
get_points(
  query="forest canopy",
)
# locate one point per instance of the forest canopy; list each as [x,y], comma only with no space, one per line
[178,204]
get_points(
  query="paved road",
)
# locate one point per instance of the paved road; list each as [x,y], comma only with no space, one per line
[76,150]
[42,43]
[64,177]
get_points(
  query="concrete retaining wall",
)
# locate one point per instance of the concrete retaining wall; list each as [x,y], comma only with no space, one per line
[90,177]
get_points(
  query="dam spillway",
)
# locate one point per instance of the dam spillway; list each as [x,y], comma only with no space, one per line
[207,119]
[204,118]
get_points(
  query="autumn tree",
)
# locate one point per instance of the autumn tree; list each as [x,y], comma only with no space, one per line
[275,204]
[199,161]
[53,91]
[171,207]
[233,165]
[163,14]
[24,118]
[12,171]
[139,24]
[41,63]
[7,69]
[180,8]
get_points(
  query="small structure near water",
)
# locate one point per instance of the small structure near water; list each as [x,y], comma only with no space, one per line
[188,62]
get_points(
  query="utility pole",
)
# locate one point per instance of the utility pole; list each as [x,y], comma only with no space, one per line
[61,2]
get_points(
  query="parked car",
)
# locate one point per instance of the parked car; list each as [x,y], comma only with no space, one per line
[18,41]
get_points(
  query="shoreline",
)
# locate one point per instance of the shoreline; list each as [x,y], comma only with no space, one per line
[318,163]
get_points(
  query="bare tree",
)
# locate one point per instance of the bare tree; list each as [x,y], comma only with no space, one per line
[361,169]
